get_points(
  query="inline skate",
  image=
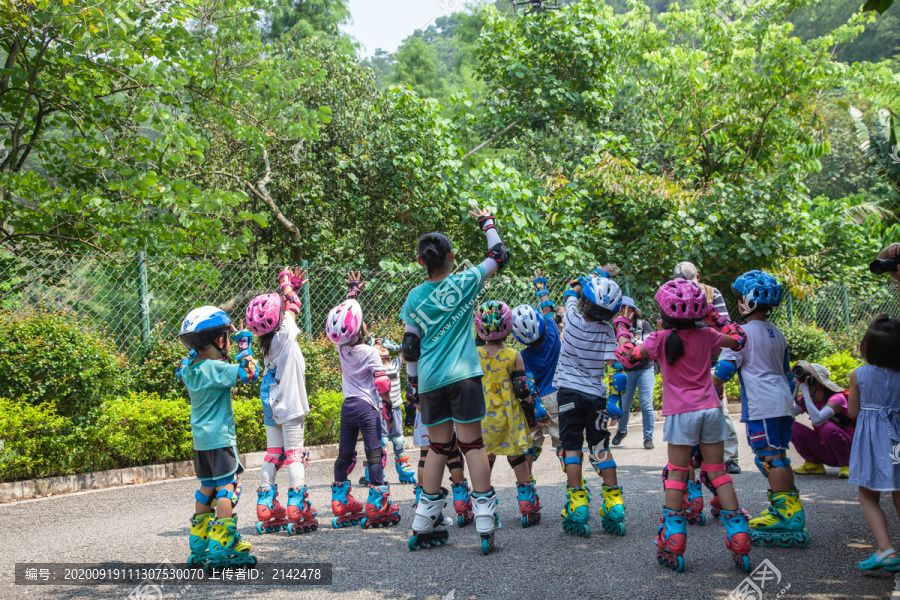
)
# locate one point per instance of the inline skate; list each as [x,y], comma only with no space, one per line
[300,512]
[693,503]
[429,523]
[737,537]
[783,523]
[226,547]
[612,511]
[199,539]
[404,471]
[577,512]
[462,503]
[347,510]
[529,504]
[271,514]
[671,539]
[380,511]
[487,522]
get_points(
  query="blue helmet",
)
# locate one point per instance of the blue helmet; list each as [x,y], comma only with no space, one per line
[202,326]
[603,292]
[527,324]
[757,288]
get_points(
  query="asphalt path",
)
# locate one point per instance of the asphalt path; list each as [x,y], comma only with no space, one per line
[148,523]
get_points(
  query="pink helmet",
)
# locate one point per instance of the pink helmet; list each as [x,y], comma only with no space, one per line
[682,300]
[344,322]
[493,320]
[264,313]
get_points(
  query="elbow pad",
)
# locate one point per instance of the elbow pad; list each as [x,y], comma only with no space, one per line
[623,328]
[500,254]
[725,370]
[382,383]
[532,388]
[411,347]
[520,385]
[733,330]
[618,381]
[629,355]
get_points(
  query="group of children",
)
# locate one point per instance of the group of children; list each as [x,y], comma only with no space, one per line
[470,403]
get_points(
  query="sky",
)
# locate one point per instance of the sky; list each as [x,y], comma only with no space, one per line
[386,23]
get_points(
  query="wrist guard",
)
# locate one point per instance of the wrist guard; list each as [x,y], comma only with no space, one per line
[288,295]
[714,319]
[623,328]
[387,411]
[353,289]
[540,284]
[389,345]
[570,292]
[243,339]
[601,272]
[733,330]
[549,304]
[410,419]
[249,368]
[412,390]
[540,413]
[184,363]
[487,222]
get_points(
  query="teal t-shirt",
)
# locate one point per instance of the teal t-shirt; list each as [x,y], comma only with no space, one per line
[444,313]
[209,384]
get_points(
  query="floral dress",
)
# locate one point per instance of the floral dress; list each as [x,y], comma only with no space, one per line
[504,428]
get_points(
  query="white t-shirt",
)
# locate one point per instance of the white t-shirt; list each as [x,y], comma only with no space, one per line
[586,346]
[762,365]
[287,394]
[359,364]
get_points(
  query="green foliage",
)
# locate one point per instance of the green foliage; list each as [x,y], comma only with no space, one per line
[248,425]
[807,342]
[49,357]
[840,365]
[34,440]
[155,373]
[416,66]
[324,419]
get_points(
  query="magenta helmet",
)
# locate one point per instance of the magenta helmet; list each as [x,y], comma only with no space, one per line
[682,300]
[344,322]
[493,320]
[264,314]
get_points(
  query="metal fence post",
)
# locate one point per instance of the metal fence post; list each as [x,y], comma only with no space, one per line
[304,298]
[143,300]
[790,308]
[846,306]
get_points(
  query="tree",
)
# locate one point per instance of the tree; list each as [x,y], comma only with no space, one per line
[417,67]
[305,18]
[107,111]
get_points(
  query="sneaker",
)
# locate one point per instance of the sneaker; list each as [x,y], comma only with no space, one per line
[810,468]
[648,444]
[844,473]
[617,439]
[732,467]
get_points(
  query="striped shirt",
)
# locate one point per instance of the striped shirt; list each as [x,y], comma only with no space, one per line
[392,370]
[586,346]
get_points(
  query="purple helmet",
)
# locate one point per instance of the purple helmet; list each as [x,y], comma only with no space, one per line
[682,300]
[493,320]
[264,313]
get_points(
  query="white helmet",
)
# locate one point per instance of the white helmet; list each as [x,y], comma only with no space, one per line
[344,322]
[605,297]
[527,324]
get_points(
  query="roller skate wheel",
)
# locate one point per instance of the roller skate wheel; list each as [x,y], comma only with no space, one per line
[413,543]
[785,542]
[702,519]
[461,521]
[334,523]
[487,544]
[744,564]
[259,527]
[679,566]
[364,523]
[620,528]
[291,529]
[251,562]
[803,542]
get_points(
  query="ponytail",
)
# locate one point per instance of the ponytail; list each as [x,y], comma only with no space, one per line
[674,347]
[434,250]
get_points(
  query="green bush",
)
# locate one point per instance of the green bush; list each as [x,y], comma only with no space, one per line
[155,373]
[142,428]
[807,342]
[324,419]
[841,364]
[50,357]
[34,440]
[248,425]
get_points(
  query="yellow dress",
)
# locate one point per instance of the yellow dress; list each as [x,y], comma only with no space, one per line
[504,428]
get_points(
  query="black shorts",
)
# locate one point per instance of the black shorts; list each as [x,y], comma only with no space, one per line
[582,415]
[462,402]
[217,463]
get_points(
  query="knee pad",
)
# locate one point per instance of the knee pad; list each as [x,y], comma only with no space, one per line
[376,457]
[399,443]
[441,448]
[221,492]
[455,460]
[297,455]
[714,484]
[599,466]
[671,483]
[345,461]
[201,497]
[534,452]
[276,456]
[465,447]
[572,460]
[516,461]
[766,460]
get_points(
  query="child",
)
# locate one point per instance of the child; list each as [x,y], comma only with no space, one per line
[395,431]
[282,392]
[438,315]
[366,390]
[537,331]
[504,427]
[875,403]
[831,437]
[588,344]
[214,539]
[693,413]
[639,379]
[767,407]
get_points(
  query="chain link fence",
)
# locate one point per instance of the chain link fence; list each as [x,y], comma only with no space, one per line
[131,298]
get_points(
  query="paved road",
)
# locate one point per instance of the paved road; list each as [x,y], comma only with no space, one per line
[149,524]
